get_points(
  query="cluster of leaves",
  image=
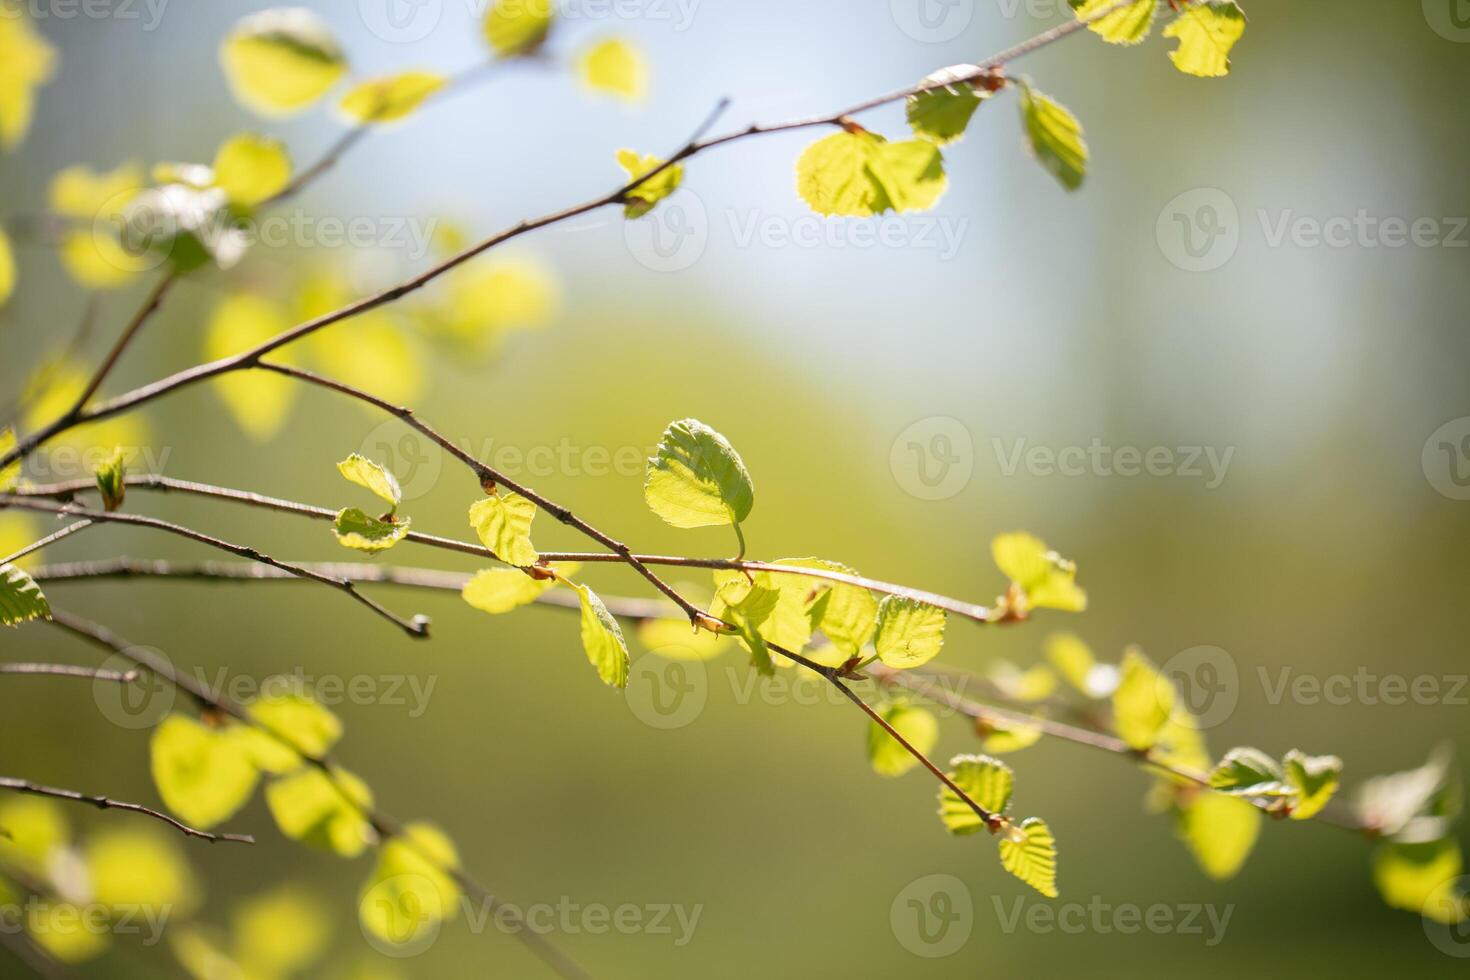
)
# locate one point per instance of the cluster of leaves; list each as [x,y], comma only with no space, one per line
[206,770]
[858,173]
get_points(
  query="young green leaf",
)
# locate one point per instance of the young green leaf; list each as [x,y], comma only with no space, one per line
[1074,660]
[259,401]
[614,67]
[999,738]
[7,268]
[1033,858]
[1219,831]
[1045,579]
[1315,779]
[909,633]
[1036,683]
[1421,877]
[499,590]
[696,478]
[1242,769]
[602,638]
[941,115]
[21,599]
[251,168]
[918,727]
[673,639]
[409,892]
[361,531]
[1128,25]
[641,199]
[860,174]
[391,98]
[1206,32]
[27,61]
[1054,136]
[322,812]
[516,27]
[296,716]
[202,774]
[1415,804]
[985,780]
[280,61]
[372,476]
[1143,702]
[775,606]
[111,475]
[503,523]
[846,614]
[9,475]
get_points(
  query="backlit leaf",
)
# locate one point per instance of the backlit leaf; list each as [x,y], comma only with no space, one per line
[361,531]
[1219,831]
[82,193]
[641,199]
[518,27]
[861,174]
[602,639]
[358,469]
[1074,660]
[775,606]
[111,474]
[910,633]
[918,727]
[259,401]
[409,892]
[389,99]
[1242,768]
[312,808]
[1033,859]
[280,932]
[142,868]
[21,599]
[503,522]
[1315,779]
[1143,702]
[292,713]
[251,168]
[27,61]
[1009,736]
[1046,579]
[1128,25]
[696,479]
[985,780]
[846,614]
[675,639]
[1421,878]
[7,269]
[202,775]
[1054,136]
[941,115]
[280,61]
[616,67]
[1206,32]
[499,590]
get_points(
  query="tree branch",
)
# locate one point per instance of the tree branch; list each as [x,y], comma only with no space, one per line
[65,532]
[70,670]
[418,627]
[106,803]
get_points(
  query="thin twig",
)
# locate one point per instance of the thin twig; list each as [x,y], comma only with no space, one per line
[151,303]
[163,484]
[106,803]
[418,627]
[250,358]
[70,670]
[385,826]
[49,539]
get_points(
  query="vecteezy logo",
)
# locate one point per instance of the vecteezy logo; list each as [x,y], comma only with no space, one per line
[1446,459]
[671,237]
[1207,680]
[1199,230]
[401,21]
[140,704]
[932,21]
[666,694]
[933,916]
[1450,19]
[934,458]
[408,454]
[401,916]
[1447,917]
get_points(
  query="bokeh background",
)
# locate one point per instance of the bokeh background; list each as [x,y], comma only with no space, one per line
[1330,546]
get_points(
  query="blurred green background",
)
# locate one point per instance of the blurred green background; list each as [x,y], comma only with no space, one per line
[1330,546]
